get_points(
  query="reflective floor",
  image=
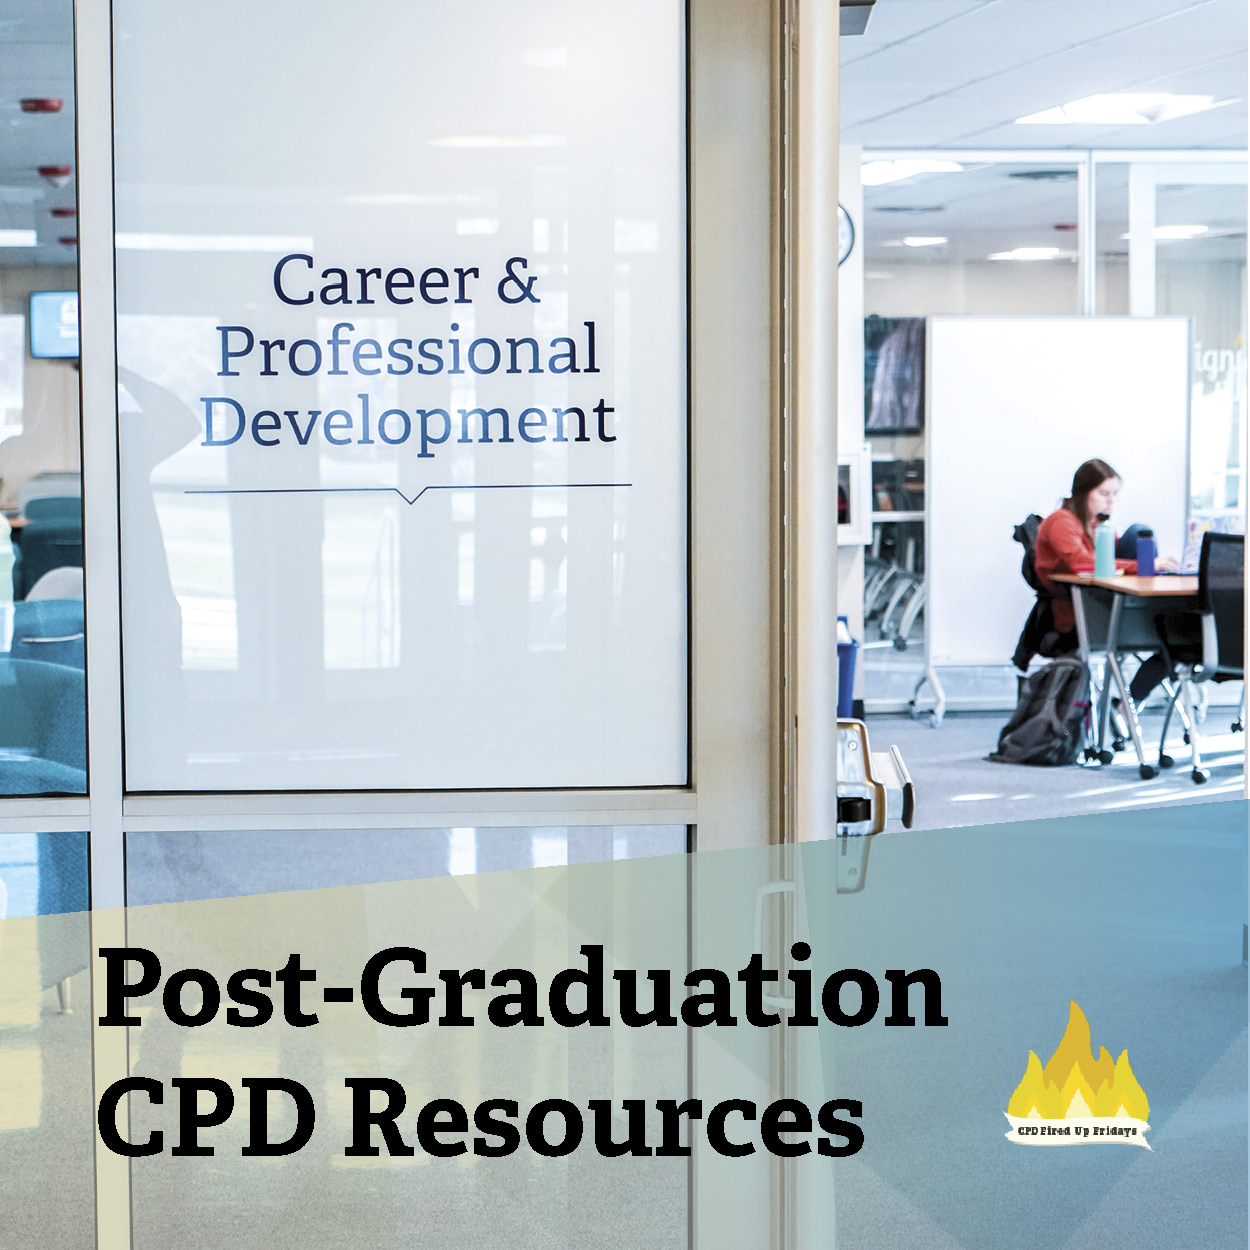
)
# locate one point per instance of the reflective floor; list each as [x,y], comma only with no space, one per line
[956,785]
[179,867]
[47,1126]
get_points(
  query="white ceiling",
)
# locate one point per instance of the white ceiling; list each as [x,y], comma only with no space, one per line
[927,73]
[957,73]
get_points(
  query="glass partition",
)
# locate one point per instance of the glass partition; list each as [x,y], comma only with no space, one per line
[47,1125]
[531,901]
[982,237]
[42,623]
[182,867]
[976,238]
[1200,267]
[1190,261]
[1006,195]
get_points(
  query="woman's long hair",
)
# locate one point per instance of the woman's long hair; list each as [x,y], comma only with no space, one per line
[1091,475]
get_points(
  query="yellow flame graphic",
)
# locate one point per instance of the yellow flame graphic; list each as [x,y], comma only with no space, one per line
[1074,1084]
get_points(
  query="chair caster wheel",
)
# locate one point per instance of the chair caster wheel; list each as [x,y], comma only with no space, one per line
[1237,727]
[1200,776]
[1147,771]
[1118,744]
[1166,761]
[1091,754]
[900,644]
[1105,757]
[1185,738]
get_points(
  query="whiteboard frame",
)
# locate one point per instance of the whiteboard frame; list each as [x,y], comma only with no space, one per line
[933,571]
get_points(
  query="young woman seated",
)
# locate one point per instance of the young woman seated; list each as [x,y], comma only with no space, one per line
[1065,544]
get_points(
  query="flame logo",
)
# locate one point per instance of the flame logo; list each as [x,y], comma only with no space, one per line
[1077,1097]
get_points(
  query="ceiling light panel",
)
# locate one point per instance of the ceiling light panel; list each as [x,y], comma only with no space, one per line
[1169,233]
[881,173]
[1031,253]
[1121,109]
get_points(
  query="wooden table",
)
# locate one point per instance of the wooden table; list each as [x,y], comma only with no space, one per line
[1129,606]
[1165,586]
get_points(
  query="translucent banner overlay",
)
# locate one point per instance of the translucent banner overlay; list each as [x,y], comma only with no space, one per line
[918,972]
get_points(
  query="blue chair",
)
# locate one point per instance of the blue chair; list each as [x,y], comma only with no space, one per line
[55,508]
[47,484]
[45,545]
[49,630]
[50,700]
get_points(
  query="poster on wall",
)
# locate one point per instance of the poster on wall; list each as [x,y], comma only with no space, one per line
[894,375]
[402,395]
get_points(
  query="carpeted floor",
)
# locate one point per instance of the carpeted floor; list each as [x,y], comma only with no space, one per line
[957,785]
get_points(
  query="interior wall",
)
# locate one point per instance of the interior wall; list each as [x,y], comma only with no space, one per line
[919,284]
[1213,294]
[49,441]
[932,288]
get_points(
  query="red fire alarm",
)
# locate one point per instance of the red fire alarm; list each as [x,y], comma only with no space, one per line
[41,104]
[57,175]
[63,212]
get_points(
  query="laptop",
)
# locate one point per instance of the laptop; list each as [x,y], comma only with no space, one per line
[1194,531]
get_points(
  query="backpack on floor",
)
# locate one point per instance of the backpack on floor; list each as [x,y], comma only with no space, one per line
[1048,725]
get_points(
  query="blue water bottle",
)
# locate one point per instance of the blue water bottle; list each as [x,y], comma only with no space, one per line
[1146,553]
[1104,547]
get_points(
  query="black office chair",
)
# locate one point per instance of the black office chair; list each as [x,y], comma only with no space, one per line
[1039,635]
[1221,602]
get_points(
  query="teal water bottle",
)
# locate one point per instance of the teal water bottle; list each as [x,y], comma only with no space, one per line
[1104,547]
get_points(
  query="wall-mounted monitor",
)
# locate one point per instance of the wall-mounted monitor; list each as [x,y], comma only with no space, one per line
[894,375]
[54,324]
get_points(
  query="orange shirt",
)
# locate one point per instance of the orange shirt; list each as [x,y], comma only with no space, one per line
[1063,546]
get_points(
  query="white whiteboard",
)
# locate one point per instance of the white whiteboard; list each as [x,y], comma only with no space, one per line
[1014,406]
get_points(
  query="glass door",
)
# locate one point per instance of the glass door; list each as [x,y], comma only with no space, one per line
[1187,256]
[274,736]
